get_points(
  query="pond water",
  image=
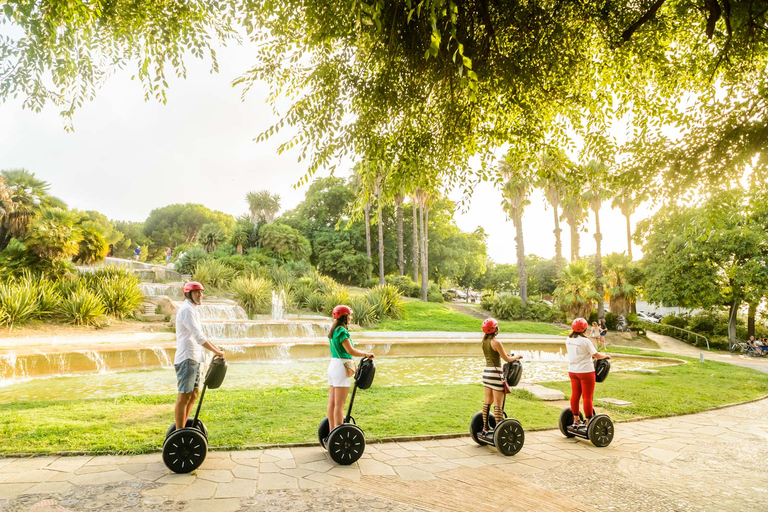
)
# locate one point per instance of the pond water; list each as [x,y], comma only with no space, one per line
[249,374]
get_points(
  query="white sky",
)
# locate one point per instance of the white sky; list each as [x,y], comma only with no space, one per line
[127,157]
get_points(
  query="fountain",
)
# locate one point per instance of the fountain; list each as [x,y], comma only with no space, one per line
[278,305]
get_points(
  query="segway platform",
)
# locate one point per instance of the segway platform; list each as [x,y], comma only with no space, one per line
[185,449]
[599,431]
[508,436]
[346,442]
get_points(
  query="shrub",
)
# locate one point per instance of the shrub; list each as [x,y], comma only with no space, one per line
[405,284]
[18,302]
[281,278]
[675,321]
[315,302]
[508,307]
[82,307]
[435,297]
[325,284]
[335,297]
[363,313]
[252,293]
[540,311]
[213,273]
[300,292]
[121,295]
[611,321]
[48,298]
[487,300]
[189,261]
[704,323]
[371,282]
[386,300]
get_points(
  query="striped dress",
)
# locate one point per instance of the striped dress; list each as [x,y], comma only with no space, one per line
[492,371]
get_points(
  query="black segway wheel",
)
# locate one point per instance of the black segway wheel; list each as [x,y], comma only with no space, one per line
[476,426]
[184,450]
[566,419]
[323,430]
[346,444]
[600,430]
[509,437]
[190,422]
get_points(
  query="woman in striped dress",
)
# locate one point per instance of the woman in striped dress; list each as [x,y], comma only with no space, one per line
[493,382]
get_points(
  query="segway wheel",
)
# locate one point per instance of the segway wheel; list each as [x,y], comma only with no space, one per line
[184,450]
[346,444]
[323,430]
[190,422]
[509,437]
[566,419]
[476,426]
[600,430]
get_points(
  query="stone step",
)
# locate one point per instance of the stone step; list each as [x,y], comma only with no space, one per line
[542,393]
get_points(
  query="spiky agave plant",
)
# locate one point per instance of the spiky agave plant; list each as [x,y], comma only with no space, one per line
[252,293]
[82,307]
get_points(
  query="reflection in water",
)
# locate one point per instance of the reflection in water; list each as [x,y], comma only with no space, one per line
[391,371]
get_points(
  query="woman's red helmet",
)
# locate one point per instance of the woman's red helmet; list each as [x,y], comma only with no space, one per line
[490,325]
[579,325]
[193,285]
[340,311]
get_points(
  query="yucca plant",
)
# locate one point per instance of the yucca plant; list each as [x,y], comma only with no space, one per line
[18,302]
[300,292]
[363,314]
[386,300]
[252,293]
[214,274]
[335,297]
[324,284]
[315,302]
[281,278]
[82,307]
[48,297]
[120,294]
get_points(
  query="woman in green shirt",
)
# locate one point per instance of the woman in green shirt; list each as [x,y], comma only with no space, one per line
[341,359]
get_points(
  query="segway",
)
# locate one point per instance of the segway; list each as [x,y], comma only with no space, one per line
[346,443]
[508,436]
[185,449]
[600,429]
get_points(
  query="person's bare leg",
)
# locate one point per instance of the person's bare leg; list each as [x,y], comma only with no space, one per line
[180,412]
[191,404]
[339,400]
[331,411]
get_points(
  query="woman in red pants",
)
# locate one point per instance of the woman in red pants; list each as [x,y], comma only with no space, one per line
[581,370]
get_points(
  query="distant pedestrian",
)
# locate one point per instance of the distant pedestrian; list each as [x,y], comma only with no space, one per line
[168,253]
[137,252]
[111,251]
[603,333]
[594,334]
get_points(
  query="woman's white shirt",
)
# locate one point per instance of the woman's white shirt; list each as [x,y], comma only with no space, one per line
[580,352]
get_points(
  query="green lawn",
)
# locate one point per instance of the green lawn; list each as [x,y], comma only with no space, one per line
[236,418]
[430,316]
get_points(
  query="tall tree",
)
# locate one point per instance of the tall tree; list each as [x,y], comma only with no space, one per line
[378,182]
[399,197]
[516,189]
[573,213]
[415,201]
[263,206]
[551,174]
[575,290]
[595,195]
[621,291]
[627,200]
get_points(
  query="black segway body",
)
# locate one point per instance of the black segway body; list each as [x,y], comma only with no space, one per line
[346,442]
[602,368]
[599,432]
[185,449]
[513,372]
[508,436]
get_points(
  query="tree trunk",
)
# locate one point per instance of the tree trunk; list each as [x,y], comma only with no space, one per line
[629,240]
[732,314]
[381,244]
[574,240]
[399,214]
[558,241]
[367,210]
[599,268]
[240,249]
[522,275]
[424,255]
[751,318]
[415,240]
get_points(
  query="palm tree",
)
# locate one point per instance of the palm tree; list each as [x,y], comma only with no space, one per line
[263,206]
[622,294]
[399,198]
[240,237]
[425,200]
[377,186]
[627,202]
[552,180]
[360,185]
[93,247]
[53,234]
[575,289]
[210,236]
[27,195]
[573,213]
[594,195]
[515,192]
[415,201]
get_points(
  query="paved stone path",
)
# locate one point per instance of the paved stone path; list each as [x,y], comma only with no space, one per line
[709,461]
[669,344]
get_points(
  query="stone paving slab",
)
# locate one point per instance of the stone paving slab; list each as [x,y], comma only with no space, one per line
[708,461]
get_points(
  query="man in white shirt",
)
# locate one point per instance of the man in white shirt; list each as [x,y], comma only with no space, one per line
[189,354]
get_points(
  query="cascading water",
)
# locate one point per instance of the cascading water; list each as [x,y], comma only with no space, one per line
[162,357]
[225,311]
[278,305]
[171,290]
[97,359]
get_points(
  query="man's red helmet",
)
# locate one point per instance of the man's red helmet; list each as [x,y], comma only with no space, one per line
[340,311]
[490,325]
[193,285]
[579,325]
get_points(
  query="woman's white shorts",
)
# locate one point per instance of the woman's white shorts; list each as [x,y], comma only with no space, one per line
[337,374]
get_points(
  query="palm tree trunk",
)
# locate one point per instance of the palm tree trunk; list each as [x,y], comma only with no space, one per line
[415,240]
[629,239]
[558,241]
[574,239]
[381,244]
[424,273]
[367,211]
[399,214]
[599,267]
[521,273]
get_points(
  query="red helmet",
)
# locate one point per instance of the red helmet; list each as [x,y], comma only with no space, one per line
[490,325]
[579,325]
[340,311]
[192,285]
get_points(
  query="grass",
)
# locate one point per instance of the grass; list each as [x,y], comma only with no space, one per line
[429,316]
[238,418]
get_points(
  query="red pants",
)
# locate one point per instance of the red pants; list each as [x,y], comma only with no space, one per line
[582,384]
